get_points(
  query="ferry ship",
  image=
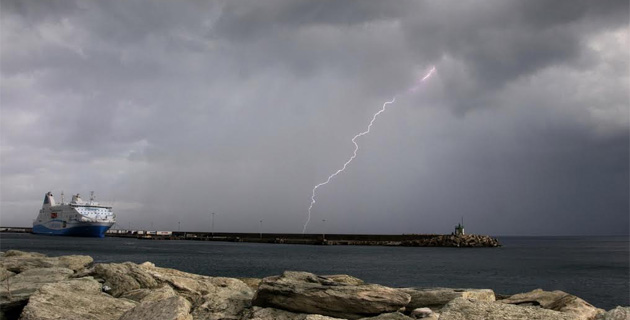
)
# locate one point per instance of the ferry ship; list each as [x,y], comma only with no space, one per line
[77,218]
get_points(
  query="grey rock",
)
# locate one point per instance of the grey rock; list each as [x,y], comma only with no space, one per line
[422,313]
[436,298]
[304,292]
[212,297]
[84,272]
[319,317]
[4,273]
[223,304]
[19,261]
[173,308]
[124,277]
[19,264]
[30,280]
[147,295]
[75,262]
[465,309]
[251,282]
[73,300]
[619,313]
[257,313]
[557,301]
[389,316]
[18,253]
[16,290]
[345,279]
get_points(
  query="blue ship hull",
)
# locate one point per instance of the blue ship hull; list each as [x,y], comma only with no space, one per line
[97,231]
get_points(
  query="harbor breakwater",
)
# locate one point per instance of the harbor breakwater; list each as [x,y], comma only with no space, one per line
[405,240]
[37,287]
[412,240]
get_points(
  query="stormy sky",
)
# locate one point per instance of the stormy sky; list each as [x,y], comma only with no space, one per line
[172,110]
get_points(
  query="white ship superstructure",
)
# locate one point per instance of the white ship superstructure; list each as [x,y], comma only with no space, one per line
[77,218]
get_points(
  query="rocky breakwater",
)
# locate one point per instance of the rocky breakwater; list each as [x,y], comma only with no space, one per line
[467,240]
[35,287]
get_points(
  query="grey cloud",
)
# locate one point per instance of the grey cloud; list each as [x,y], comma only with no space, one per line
[244,21]
[175,109]
[500,41]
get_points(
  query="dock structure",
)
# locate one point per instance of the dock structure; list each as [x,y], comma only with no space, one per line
[407,240]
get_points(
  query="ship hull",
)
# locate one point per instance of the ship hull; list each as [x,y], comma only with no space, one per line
[78,229]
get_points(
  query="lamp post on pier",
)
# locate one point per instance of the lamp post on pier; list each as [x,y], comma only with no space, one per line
[261,229]
[213,224]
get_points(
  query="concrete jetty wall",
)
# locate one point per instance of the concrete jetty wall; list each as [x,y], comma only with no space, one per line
[408,240]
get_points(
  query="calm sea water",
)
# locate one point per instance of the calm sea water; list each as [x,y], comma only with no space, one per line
[593,268]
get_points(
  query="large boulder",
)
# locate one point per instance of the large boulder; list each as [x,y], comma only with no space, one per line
[424,313]
[251,282]
[436,298]
[73,300]
[344,279]
[75,262]
[146,295]
[304,292]
[212,297]
[27,282]
[18,253]
[619,313]
[557,301]
[257,313]
[465,309]
[123,277]
[19,261]
[15,290]
[173,308]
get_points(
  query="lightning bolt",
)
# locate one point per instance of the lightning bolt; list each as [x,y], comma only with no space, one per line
[419,83]
[356,146]
[354,155]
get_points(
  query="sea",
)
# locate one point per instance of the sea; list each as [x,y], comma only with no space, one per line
[596,269]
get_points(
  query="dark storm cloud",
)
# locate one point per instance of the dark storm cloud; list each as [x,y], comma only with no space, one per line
[243,21]
[499,41]
[173,110]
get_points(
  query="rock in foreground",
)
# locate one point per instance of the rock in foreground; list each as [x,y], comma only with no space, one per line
[436,298]
[22,273]
[464,309]
[305,292]
[257,313]
[619,313]
[173,308]
[72,288]
[20,261]
[74,299]
[557,301]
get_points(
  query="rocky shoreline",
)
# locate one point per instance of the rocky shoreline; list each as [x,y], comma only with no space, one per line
[37,287]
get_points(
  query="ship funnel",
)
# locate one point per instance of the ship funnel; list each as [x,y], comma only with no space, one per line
[77,199]
[49,200]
